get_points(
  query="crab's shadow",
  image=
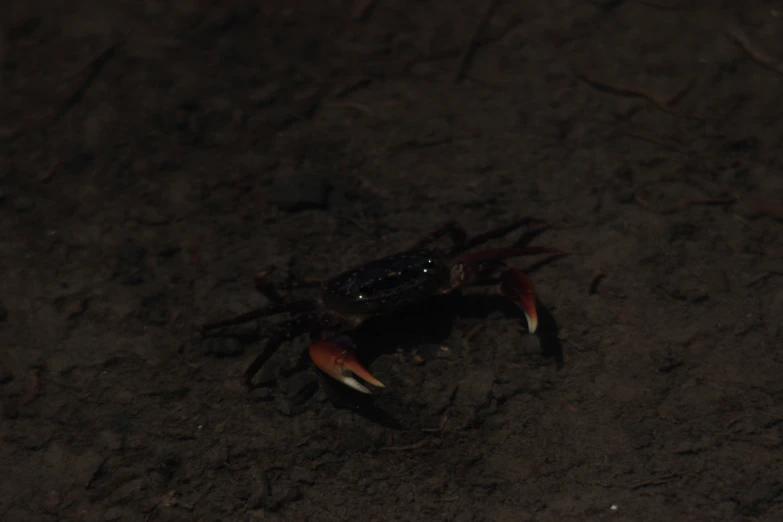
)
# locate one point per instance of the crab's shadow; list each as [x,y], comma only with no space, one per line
[430,323]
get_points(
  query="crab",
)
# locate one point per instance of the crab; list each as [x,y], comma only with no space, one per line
[383,286]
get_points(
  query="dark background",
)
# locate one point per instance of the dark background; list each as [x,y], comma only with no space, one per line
[156,154]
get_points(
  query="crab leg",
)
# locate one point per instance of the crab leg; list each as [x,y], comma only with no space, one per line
[337,358]
[462,242]
[495,255]
[479,268]
[271,290]
[296,307]
[516,286]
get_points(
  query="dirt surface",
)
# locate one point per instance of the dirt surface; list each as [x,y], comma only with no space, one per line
[156,155]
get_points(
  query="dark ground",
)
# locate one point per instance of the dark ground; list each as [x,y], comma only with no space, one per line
[141,189]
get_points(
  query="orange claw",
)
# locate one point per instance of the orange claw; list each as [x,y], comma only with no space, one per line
[515,285]
[338,360]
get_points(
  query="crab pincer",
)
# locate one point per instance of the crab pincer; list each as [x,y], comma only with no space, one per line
[516,286]
[513,284]
[336,357]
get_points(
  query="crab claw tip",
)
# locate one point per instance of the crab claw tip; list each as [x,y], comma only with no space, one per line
[532,322]
[516,286]
[353,364]
[337,359]
[353,383]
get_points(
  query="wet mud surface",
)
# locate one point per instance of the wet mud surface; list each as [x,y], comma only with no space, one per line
[157,155]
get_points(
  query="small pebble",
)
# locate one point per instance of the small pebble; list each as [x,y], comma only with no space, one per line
[261,394]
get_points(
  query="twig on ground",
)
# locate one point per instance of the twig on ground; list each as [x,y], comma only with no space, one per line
[654,482]
[351,105]
[759,55]
[685,203]
[152,513]
[468,336]
[363,9]
[682,204]
[766,208]
[669,146]
[467,54]
[473,331]
[94,69]
[362,228]
[663,103]
[443,420]
[595,282]
[660,5]
[450,53]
